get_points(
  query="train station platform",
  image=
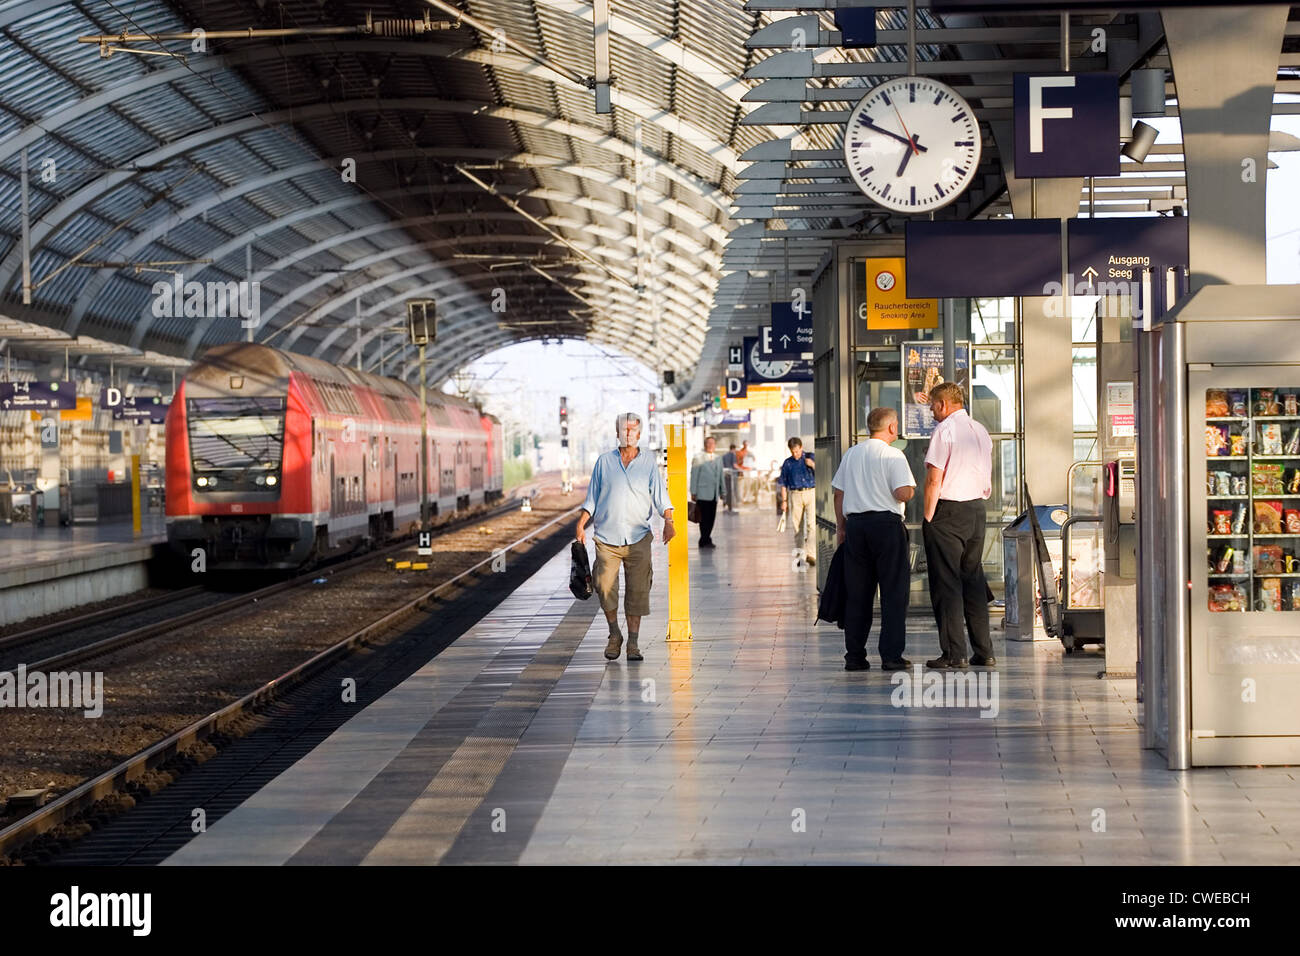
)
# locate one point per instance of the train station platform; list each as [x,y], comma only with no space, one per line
[50,569]
[751,744]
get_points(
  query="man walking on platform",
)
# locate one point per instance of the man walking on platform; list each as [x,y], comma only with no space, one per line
[958,480]
[872,486]
[706,488]
[797,483]
[729,478]
[626,488]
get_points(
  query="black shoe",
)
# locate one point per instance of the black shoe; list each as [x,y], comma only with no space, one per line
[944,664]
[901,664]
[707,544]
[857,665]
[977,661]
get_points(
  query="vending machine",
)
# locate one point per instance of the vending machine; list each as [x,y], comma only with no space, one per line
[1226,505]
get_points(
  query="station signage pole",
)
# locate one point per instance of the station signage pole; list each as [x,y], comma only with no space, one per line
[421,327]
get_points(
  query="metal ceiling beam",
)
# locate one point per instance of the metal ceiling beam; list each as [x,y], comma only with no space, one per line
[53,219]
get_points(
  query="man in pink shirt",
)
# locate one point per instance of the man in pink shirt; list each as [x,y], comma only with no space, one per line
[958,480]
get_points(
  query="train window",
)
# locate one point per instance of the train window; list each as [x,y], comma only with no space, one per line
[374,453]
[460,452]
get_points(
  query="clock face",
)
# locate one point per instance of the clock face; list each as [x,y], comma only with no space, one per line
[768,368]
[912,144]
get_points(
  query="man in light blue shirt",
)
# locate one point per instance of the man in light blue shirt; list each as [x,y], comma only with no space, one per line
[626,488]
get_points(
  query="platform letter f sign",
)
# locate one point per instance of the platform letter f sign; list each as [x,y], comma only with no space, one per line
[1038,112]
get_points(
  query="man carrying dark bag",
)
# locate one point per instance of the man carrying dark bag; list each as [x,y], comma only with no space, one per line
[871,486]
[580,573]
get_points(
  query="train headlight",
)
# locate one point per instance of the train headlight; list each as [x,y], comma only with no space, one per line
[270,479]
[261,480]
[202,482]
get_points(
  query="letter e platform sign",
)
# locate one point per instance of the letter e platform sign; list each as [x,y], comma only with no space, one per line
[1067,124]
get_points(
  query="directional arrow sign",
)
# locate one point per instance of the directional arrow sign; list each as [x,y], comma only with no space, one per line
[37,396]
[791,331]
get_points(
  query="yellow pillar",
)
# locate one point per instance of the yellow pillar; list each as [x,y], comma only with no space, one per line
[679,581]
[135,494]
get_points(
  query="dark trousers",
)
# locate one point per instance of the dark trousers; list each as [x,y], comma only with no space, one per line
[875,556]
[707,512]
[959,592]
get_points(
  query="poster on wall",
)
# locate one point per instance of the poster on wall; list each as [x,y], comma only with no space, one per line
[922,364]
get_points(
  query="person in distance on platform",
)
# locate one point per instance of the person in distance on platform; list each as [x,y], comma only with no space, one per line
[626,488]
[707,482]
[958,480]
[729,477]
[795,486]
[872,486]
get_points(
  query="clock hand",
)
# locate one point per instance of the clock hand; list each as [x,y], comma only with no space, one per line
[910,141]
[907,156]
[878,129]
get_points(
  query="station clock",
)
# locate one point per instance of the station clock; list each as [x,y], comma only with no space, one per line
[912,144]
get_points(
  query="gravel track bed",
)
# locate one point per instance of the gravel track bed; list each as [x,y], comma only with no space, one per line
[154,689]
[79,637]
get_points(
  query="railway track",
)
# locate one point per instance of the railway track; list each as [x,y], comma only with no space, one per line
[75,640]
[81,801]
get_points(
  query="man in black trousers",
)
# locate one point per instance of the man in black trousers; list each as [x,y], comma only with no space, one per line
[872,485]
[958,481]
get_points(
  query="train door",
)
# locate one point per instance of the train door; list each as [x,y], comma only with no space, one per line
[335,504]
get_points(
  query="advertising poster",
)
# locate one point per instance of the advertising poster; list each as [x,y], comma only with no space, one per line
[922,370]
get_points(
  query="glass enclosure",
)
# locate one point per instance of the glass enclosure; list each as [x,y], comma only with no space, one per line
[1252,484]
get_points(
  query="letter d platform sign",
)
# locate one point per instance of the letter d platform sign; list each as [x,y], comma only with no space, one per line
[1067,124]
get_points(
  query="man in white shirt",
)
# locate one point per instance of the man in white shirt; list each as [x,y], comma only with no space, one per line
[871,486]
[958,480]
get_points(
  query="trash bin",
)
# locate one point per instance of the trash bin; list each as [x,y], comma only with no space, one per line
[1023,615]
[38,509]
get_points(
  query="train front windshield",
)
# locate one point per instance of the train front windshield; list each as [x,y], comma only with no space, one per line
[236,444]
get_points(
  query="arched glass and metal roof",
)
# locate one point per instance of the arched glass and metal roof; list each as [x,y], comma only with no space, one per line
[484,176]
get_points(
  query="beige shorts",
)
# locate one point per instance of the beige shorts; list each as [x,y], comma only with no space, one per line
[637,572]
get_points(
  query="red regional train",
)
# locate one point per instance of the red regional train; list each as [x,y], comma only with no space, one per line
[276,459]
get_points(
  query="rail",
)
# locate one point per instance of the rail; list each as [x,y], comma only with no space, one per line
[67,806]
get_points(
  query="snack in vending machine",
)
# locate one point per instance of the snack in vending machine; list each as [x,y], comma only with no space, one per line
[1290,404]
[1239,519]
[1240,486]
[1292,518]
[1270,594]
[1227,597]
[1237,444]
[1268,559]
[1266,402]
[1268,517]
[1270,439]
[1224,559]
[1222,483]
[1293,443]
[1216,403]
[1216,440]
[1239,407]
[1238,561]
[1223,522]
[1266,478]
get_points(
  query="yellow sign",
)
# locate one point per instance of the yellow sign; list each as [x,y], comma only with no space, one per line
[757,396]
[84,412]
[791,406]
[679,572]
[887,305]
